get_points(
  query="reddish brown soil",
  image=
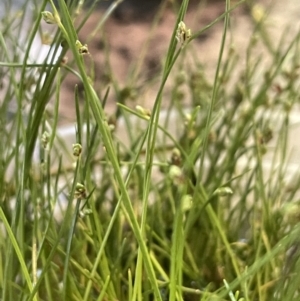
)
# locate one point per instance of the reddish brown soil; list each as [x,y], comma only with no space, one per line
[124,38]
[135,52]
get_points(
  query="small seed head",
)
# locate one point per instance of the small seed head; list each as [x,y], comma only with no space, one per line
[80,191]
[176,158]
[45,139]
[77,148]
[145,112]
[82,49]
[183,34]
[48,17]
[85,212]
[223,191]
[186,203]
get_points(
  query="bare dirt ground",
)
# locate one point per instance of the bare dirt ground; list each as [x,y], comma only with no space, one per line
[134,46]
[128,36]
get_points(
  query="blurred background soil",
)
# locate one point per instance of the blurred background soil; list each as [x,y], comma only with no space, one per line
[135,48]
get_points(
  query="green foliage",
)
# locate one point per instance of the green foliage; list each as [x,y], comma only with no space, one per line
[193,201]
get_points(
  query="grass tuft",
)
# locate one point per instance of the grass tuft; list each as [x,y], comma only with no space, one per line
[195,198]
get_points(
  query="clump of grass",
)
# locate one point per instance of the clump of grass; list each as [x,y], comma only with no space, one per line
[209,211]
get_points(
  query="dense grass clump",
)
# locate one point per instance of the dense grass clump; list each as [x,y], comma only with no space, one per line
[195,199]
